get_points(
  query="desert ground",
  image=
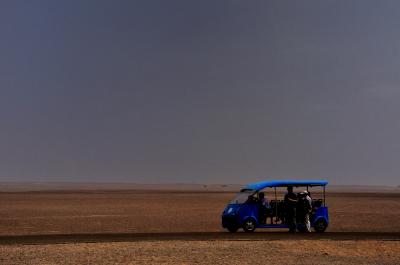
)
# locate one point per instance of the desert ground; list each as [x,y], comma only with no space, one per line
[183,227]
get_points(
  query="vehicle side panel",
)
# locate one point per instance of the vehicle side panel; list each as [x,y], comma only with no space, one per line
[321,212]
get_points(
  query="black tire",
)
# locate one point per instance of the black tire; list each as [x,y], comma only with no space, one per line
[320,226]
[249,225]
[232,229]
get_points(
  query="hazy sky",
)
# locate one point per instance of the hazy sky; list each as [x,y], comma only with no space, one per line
[200,91]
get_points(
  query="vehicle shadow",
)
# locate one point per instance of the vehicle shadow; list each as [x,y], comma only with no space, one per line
[192,236]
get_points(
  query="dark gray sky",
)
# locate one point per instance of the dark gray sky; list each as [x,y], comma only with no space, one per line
[200,91]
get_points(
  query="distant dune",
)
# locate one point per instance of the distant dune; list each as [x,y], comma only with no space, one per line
[49,186]
[76,186]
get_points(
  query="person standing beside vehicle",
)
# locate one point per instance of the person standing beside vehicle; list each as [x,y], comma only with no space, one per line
[309,206]
[303,212]
[290,202]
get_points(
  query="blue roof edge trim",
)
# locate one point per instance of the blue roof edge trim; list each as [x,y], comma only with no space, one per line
[284,183]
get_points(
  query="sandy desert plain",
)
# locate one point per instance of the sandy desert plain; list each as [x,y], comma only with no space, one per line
[182,226]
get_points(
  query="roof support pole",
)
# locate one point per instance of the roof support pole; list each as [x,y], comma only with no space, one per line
[276,206]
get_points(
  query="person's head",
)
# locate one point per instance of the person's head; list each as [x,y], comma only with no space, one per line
[290,189]
[261,195]
[309,193]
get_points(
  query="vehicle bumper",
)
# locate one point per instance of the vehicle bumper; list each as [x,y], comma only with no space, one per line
[230,221]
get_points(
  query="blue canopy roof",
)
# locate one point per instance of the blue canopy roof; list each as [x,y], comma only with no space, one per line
[284,183]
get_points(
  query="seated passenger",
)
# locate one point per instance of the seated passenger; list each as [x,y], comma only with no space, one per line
[251,199]
[265,208]
[263,200]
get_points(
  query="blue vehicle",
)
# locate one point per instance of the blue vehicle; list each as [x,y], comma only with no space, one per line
[244,210]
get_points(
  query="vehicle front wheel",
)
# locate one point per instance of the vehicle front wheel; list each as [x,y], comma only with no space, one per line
[320,226]
[249,225]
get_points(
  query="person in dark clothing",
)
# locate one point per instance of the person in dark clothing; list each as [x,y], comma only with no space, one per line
[290,206]
[264,208]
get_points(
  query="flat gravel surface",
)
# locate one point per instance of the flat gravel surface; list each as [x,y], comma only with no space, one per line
[93,212]
[207,252]
[167,227]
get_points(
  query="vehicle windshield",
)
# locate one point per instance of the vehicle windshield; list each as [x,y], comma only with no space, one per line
[242,197]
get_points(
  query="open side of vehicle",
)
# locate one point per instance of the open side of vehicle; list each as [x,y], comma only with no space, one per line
[244,210]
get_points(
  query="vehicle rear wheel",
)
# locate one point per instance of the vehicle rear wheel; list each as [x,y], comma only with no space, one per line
[249,225]
[320,226]
[232,229]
